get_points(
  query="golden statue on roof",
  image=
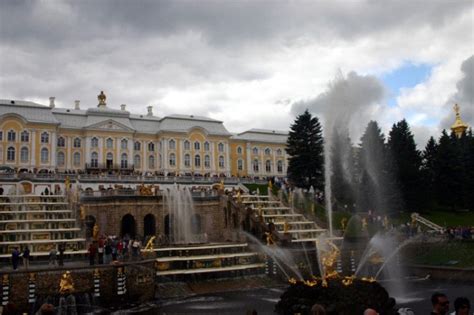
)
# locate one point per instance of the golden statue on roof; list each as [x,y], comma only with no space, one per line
[459,127]
[102,98]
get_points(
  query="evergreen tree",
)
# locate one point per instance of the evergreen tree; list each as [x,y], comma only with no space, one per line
[342,164]
[406,165]
[466,158]
[305,147]
[428,168]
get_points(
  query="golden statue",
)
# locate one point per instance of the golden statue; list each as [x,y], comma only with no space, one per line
[5,280]
[270,241]
[221,185]
[459,127]
[95,232]
[239,198]
[82,212]
[286,227]
[66,285]
[102,98]
[386,223]
[270,185]
[364,224]
[344,223]
[149,244]
[67,184]
[145,190]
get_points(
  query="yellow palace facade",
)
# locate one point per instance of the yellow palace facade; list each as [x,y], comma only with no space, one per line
[40,138]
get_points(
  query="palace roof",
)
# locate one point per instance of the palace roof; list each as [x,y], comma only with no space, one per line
[262,135]
[31,112]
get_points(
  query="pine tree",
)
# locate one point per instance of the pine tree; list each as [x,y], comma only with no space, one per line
[406,165]
[342,164]
[428,168]
[305,146]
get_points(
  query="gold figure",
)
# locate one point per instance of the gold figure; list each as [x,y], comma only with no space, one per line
[31,277]
[344,223]
[95,232]
[102,98]
[270,185]
[270,241]
[5,280]
[239,198]
[66,285]
[459,127]
[311,283]
[364,224]
[67,184]
[82,212]
[369,279]
[347,281]
[286,227]
[149,244]
[292,281]
[386,222]
[96,273]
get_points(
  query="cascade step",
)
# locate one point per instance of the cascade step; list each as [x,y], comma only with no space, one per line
[44,241]
[208,270]
[204,257]
[44,254]
[35,211]
[40,230]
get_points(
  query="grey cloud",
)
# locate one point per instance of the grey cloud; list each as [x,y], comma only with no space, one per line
[464,96]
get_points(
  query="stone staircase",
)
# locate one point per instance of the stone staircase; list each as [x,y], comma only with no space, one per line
[273,211]
[39,223]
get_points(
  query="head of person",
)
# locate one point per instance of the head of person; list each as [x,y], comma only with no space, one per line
[370,311]
[462,306]
[46,309]
[318,309]
[440,303]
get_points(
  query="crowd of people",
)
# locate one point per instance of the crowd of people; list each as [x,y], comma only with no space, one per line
[112,249]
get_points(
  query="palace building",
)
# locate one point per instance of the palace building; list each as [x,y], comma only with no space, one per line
[38,138]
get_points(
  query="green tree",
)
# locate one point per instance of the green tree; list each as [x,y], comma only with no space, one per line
[305,146]
[406,162]
[342,164]
[428,169]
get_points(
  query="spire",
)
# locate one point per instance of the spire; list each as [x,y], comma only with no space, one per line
[459,127]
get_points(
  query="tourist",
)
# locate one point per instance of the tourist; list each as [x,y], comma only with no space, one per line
[62,249]
[100,250]
[52,256]
[108,252]
[15,258]
[318,309]
[462,306]
[46,309]
[10,309]
[370,311]
[92,252]
[26,257]
[440,304]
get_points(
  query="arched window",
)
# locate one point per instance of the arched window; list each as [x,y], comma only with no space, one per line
[197,146]
[240,165]
[77,159]
[60,158]
[110,157]
[61,142]
[109,143]
[268,166]
[279,152]
[25,136]
[77,142]
[172,159]
[94,142]
[44,155]
[207,161]
[280,166]
[197,160]
[94,159]
[124,161]
[221,162]
[24,155]
[187,160]
[124,144]
[255,150]
[137,146]
[11,135]
[268,151]
[151,147]
[44,137]
[206,146]
[187,145]
[172,144]
[11,154]
[137,161]
[220,147]
[255,165]
[151,161]
[239,150]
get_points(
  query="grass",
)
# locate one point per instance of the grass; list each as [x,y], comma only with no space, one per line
[442,218]
[454,253]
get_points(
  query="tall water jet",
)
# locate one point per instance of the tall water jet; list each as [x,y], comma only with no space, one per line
[179,205]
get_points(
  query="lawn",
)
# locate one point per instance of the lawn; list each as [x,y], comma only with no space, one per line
[453,253]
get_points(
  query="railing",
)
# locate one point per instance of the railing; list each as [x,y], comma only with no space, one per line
[426,222]
[102,166]
[127,192]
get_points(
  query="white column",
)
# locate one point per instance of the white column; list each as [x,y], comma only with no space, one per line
[227,158]
[130,151]
[249,165]
[261,167]
[33,148]
[181,158]
[100,147]
[165,155]
[69,143]
[212,155]
[274,165]
[87,157]
[144,159]
[53,149]
[118,148]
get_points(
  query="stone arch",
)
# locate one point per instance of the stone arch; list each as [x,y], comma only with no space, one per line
[128,225]
[149,225]
[89,223]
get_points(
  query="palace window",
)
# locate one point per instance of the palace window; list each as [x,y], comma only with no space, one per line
[77,159]
[151,161]
[197,160]
[206,146]
[124,144]
[60,159]
[197,146]
[187,145]
[220,147]
[77,142]
[11,154]
[172,144]
[239,150]
[172,159]
[240,165]
[44,155]
[268,166]
[279,152]
[255,166]
[94,142]
[187,160]
[255,150]
[24,155]
[221,162]
[124,161]
[44,137]
[11,135]
[61,142]
[94,159]
[109,143]
[268,151]
[207,161]
[280,166]
[137,161]
[151,147]
[25,136]
[137,146]
[1,135]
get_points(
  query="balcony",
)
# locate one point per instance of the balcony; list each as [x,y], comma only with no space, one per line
[109,166]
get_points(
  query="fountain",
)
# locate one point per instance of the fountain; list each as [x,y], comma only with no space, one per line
[178,202]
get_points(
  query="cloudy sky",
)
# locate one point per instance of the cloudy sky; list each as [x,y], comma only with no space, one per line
[252,64]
